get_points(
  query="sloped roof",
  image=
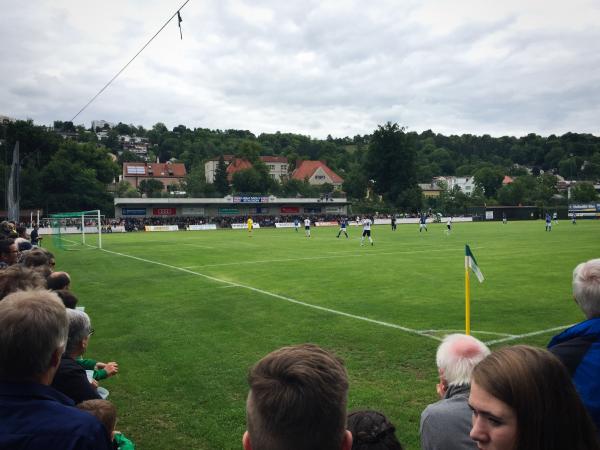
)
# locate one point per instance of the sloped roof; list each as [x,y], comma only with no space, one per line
[236,165]
[157,170]
[306,169]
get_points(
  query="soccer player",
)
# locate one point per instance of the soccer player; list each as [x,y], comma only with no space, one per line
[343,226]
[449,225]
[366,230]
[548,222]
[555,217]
[296,224]
[422,222]
[307,227]
[573,218]
[250,226]
[504,218]
[393,223]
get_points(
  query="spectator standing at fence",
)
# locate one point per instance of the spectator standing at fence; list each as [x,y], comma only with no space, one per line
[578,347]
[523,399]
[297,401]
[446,424]
[33,333]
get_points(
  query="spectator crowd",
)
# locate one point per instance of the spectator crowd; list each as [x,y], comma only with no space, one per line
[52,396]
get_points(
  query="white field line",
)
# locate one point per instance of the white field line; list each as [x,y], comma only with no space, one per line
[533,333]
[280,297]
[198,246]
[510,337]
[462,330]
[309,258]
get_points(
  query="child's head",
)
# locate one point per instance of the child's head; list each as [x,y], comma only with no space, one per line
[103,410]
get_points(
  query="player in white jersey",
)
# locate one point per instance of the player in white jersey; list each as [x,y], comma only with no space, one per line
[366,230]
[449,225]
[307,227]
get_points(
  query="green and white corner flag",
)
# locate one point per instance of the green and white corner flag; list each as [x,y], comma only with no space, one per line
[471,263]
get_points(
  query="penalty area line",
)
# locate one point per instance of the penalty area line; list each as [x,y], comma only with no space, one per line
[521,336]
[280,297]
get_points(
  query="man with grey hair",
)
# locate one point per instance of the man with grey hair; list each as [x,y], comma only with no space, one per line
[578,347]
[446,424]
[71,378]
[33,333]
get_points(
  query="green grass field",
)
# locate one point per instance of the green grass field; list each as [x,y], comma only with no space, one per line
[186,314]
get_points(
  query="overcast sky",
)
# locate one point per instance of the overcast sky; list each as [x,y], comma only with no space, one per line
[312,67]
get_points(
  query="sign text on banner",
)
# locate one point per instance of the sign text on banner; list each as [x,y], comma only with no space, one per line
[231,211]
[290,209]
[192,211]
[250,199]
[133,211]
[161,228]
[164,211]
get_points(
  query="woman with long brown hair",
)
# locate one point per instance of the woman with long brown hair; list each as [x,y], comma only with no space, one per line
[522,398]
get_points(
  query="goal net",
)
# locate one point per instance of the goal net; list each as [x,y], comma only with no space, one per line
[77,230]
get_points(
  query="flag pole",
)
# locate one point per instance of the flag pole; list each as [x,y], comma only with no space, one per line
[467,301]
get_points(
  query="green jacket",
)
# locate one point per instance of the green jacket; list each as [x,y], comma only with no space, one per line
[122,442]
[90,364]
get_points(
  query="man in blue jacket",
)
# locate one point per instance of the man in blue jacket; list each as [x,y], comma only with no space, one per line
[578,347]
[33,333]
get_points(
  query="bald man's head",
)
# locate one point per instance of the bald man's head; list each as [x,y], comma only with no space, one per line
[58,280]
[457,356]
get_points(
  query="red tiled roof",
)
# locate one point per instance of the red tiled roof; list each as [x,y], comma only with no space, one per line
[158,170]
[274,159]
[236,165]
[507,180]
[306,169]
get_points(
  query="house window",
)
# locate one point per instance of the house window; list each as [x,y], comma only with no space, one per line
[319,177]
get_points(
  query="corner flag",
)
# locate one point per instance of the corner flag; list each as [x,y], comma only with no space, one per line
[470,263]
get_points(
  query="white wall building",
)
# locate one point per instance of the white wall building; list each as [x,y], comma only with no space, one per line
[465,184]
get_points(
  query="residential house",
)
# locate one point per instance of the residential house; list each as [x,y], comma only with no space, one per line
[167,173]
[317,173]
[277,165]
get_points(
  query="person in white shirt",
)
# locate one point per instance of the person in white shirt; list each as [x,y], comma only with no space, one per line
[307,227]
[449,225]
[366,231]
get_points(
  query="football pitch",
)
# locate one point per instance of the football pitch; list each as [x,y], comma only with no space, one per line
[187,314]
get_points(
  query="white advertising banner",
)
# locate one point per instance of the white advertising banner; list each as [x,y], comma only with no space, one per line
[326,224]
[206,226]
[241,226]
[489,215]
[161,228]
[285,225]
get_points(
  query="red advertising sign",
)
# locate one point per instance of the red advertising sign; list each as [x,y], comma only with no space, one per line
[164,211]
[290,209]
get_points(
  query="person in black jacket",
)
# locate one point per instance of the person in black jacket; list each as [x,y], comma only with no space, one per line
[71,379]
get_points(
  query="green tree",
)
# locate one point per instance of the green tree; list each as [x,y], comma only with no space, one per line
[249,181]
[221,182]
[125,190]
[151,187]
[391,165]
[489,179]
[583,193]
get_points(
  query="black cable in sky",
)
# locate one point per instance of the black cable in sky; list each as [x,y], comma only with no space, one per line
[131,60]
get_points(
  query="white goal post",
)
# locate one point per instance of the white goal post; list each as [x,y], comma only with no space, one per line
[71,229]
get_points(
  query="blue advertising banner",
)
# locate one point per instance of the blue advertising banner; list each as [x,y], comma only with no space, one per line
[250,199]
[133,211]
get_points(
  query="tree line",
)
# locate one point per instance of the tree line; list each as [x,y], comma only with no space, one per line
[380,170]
